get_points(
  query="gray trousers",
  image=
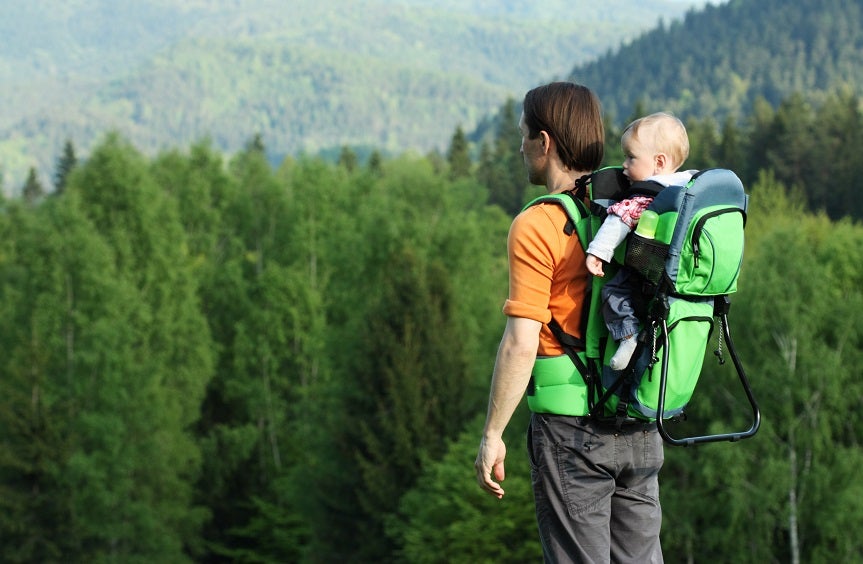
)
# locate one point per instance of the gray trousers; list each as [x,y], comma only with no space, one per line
[596,490]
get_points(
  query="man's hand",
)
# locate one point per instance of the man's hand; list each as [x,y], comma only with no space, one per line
[489,461]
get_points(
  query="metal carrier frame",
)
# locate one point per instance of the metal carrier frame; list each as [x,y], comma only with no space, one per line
[721,306]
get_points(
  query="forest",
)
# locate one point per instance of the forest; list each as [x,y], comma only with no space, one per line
[718,61]
[211,359]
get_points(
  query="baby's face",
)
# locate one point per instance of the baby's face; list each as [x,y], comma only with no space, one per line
[638,162]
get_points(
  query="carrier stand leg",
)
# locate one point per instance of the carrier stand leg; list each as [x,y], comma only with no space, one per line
[721,310]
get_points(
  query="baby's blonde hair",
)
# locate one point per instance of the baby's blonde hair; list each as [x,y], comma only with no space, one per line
[664,133]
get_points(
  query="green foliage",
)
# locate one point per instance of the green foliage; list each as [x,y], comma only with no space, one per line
[458,155]
[410,303]
[65,164]
[447,518]
[500,167]
[156,381]
[124,358]
[32,191]
[104,371]
[209,359]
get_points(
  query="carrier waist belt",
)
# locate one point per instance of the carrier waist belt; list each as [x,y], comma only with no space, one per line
[557,387]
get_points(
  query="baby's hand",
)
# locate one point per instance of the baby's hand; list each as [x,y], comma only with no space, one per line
[594,265]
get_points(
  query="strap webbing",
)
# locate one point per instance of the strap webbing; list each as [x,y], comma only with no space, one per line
[571,345]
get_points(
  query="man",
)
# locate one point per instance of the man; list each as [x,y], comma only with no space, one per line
[595,487]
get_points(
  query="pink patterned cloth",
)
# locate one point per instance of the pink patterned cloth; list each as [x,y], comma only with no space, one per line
[629,211]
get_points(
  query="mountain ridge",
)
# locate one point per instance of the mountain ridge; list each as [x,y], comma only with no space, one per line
[435,65]
[766,48]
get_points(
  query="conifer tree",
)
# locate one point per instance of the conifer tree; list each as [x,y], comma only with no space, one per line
[256,144]
[407,384]
[32,191]
[759,125]
[836,167]
[375,164]
[790,143]
[702,144]
[65,164]
[730,150]
[458,155]
[402,337]
[613,153]
[502,170]
[348,159]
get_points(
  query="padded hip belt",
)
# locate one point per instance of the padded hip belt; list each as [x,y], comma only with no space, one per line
[557,387]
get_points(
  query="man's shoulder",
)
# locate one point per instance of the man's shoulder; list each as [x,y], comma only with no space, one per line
[542,215]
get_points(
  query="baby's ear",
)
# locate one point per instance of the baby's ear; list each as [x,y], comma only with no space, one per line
[660,161]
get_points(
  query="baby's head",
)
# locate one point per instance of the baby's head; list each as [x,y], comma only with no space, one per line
[654,144]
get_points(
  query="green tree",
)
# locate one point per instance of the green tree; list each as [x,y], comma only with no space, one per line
[836,170]
[348,159]
[758,125]
[200,189]
[458,155]
[133,485]
[730,151]
[375,163]
[502,170]
[65,164]
[56,292]
[256,144]
[410,291]
[703,143]
[446,518]
[264,294]
[32,191]
[613,153]
[790,143]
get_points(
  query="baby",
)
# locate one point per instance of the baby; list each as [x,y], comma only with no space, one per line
[655,147]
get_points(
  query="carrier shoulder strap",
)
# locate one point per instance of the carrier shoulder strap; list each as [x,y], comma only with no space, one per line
[576,211]
[583,219]
[646,188]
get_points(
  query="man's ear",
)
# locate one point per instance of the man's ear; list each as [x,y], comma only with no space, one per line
[546,140]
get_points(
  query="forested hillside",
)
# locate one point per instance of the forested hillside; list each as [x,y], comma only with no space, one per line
[308,76]
[210,360]
[718,61]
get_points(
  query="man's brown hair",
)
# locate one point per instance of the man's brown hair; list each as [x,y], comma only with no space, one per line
[571,115]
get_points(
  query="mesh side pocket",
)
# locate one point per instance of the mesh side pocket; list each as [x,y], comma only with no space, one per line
[647,256]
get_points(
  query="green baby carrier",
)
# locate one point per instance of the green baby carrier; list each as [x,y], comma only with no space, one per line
[686,269]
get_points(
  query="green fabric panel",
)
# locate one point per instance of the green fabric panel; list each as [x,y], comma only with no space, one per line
[717,233]
[558,387]
[689,325]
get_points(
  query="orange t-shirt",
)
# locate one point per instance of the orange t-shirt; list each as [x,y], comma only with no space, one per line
[547,274]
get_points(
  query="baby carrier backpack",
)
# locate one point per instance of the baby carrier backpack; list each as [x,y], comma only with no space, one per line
[686,269]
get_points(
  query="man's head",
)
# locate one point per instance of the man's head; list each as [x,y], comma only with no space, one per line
[568,116]
[654,144]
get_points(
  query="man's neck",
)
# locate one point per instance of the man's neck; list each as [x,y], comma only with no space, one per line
[562,181]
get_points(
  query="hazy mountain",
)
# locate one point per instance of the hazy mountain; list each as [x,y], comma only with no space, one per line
[307,75]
